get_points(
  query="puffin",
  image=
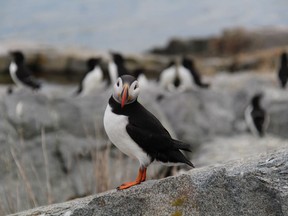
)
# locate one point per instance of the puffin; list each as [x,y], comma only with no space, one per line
[92,79]
[20,73]
[137,132]
[169,78]
[139,74]
[189,65]
[116,67]
[283,70]
[256,117]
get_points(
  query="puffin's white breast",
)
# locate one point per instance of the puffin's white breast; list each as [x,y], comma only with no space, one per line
[186,79]
[143,81]
[115,127]
[167,77]
[93,80]
[250,122]
[12,69]
[113,72]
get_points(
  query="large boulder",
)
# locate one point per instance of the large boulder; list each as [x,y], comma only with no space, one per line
[250,186]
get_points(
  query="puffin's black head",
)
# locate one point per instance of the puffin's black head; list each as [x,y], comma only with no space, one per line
[92,62]
[17,56]
[256,99]
[117,58]
[188,63]
[138,72]
[126,90]
[284,59]
[171,63]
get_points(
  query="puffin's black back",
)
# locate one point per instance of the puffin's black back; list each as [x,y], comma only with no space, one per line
[120,62]
[23,73]
[189,64]
[92,62]
[148,132]
[258,114]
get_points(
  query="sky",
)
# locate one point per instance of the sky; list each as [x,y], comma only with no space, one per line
[131,25]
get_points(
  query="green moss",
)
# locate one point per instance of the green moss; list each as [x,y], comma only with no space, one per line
[179,202]
[177,213]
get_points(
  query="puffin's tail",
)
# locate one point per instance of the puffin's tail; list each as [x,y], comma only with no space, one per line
[182,146]
[180,156]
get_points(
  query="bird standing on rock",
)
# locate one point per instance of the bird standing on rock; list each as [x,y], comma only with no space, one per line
[189,65]
[137,132]
[256,117]
[20,74]
[116,67]
[283,70]
[92,79]
[169,78]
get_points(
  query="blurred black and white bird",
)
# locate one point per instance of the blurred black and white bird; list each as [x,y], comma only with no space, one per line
[137,132]
[139,74]
[283,70]
[181,76]
[92,79]
[169,78]
[256,117]
[116,67]
[20,73]
[189,65]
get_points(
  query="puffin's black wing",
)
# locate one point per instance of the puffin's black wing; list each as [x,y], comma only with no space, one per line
[147,131]
[80,87]
[25,76]
[283,76]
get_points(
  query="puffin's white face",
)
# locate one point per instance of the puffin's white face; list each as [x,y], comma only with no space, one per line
[126,90]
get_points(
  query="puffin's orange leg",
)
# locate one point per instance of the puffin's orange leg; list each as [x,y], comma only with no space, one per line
[141,175]
[144,175]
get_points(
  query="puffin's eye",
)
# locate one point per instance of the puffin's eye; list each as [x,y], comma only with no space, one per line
[136,86]
[118,83]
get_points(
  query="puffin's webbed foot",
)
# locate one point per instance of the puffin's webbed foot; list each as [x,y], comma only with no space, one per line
[140,178]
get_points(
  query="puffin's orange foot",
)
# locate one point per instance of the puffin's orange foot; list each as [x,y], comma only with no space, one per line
[140,178]
[127,185]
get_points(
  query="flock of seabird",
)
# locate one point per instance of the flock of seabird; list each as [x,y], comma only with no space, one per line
[131,127]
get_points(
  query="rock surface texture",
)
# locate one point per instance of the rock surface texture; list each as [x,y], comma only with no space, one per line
[250,186]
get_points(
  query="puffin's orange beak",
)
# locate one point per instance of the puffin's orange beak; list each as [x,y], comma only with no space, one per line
[124,95]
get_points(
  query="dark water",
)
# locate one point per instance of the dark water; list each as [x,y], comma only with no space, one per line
[131,25]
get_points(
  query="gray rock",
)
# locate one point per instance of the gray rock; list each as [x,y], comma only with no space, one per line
[251,186]
[222,149]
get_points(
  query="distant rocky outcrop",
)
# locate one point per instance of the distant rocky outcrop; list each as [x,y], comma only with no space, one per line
[235,50]
[230,42]
[254,186]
